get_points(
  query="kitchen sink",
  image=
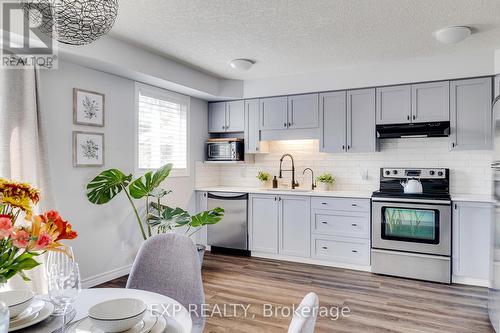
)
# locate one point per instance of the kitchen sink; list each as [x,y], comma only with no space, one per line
[288,190]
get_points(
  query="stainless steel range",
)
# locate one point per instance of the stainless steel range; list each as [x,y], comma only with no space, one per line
[411,224]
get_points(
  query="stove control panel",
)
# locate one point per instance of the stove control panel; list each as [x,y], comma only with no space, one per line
[414,173]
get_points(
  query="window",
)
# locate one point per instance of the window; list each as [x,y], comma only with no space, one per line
[162,129]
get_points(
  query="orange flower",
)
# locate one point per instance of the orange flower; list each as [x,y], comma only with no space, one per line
[58,227]
[19,195]
[43,241]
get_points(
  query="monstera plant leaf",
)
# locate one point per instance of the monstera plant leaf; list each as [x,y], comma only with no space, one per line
[106,185]
[144,185]
[169,216]
[207,217]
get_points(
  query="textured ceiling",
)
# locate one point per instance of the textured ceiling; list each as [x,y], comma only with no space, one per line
[291,37]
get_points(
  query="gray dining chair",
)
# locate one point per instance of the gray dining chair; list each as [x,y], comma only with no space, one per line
[168,264]
[304,318]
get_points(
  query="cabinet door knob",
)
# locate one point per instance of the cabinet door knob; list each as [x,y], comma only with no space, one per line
[408,117]
[343,147]
[453,145]
[284,124]
[257,148]
[414,117]
[348,147]
[289,124]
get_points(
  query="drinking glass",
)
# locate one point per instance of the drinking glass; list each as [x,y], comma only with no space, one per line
[59,259]
[64,286]
[4,318]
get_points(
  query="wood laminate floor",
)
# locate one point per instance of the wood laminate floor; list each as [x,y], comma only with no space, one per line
[376,303]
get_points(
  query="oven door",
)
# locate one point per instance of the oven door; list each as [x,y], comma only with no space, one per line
[412,227]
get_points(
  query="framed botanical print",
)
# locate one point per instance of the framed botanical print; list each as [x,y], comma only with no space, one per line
[88,107]
[88,149]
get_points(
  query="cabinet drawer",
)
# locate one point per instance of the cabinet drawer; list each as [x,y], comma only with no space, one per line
[342,249]
[341,223]
[347,204]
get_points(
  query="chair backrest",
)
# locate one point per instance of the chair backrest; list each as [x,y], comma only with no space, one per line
[168,264]
[304,317]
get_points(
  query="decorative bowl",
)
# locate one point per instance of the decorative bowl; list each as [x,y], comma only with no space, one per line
[117,315]
[17,301]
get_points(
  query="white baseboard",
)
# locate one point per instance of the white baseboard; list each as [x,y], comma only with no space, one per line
[105,277]
[470,281]
[312,261]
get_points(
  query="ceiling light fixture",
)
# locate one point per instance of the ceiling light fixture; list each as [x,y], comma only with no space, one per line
[241,65]
[452,35]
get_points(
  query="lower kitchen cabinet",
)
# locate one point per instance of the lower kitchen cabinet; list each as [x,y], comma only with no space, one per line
[295,225]
[472,232]
[280,224]
[263,217]
[341,249]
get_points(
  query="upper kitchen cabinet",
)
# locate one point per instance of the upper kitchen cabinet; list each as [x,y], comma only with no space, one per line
[226,117]
[333,113]
[470,114]
[393,105]
[217,117]
[361,135]
[303,111]
[253,145]
[273,113]
[430,102]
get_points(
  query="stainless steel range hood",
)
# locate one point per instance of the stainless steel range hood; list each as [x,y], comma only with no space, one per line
[417,130]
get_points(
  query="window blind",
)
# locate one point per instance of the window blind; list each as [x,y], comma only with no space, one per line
[162,129]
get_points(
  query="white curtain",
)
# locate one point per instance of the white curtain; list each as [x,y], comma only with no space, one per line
[23,155]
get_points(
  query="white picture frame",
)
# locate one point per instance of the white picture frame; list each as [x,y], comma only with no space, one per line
[88,108]
[88,149]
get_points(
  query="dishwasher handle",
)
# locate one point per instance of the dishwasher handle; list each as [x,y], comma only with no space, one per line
[232,197]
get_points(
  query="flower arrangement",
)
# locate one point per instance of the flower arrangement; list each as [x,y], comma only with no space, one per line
[325,181]
[23,239]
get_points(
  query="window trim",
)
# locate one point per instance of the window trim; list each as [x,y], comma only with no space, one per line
[160,92]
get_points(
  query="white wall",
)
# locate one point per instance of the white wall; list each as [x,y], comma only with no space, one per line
[475,63]
[108,236]
[470,171]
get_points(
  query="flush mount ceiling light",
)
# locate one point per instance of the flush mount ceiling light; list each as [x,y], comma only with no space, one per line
[241,65]
[75,22]
[452,35]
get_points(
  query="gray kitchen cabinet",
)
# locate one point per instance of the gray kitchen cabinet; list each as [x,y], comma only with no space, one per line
[201,205]
[303,111]
[235,116]
[295,226]
[217,117]
[263,216]
[361,136]
[393,105]
[470,114]
[430,102]
[273,113]
[333,122]
[472,230]
[253,145]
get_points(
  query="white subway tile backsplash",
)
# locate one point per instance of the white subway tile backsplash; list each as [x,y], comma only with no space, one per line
[470,170]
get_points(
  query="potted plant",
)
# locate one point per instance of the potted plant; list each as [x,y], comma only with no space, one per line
[265,178]
[325,181]
[159,218]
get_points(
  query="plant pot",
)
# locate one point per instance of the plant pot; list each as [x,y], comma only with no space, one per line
[201,252]
[324,186]
[266,184]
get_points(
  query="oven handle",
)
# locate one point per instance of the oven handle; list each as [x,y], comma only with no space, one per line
[418,201]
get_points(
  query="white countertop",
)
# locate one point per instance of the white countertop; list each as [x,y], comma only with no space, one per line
[472,197]
[300,191]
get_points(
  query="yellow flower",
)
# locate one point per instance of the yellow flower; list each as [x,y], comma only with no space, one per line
[20,195]
[22,203]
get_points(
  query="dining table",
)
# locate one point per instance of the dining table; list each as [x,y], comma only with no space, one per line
[177,317]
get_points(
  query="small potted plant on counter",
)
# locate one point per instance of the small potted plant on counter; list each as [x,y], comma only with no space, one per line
[325,181]
[265,178]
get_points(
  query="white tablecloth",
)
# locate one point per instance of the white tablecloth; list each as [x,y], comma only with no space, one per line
[90,297]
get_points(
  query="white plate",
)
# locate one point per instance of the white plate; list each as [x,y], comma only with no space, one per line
[85,326]
[160,326]
[33,309]
[44,313]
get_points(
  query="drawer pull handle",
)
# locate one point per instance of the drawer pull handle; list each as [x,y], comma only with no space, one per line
[325,248]
[354,225]
[324,222]
[354,251]
[354,205]
[324,203]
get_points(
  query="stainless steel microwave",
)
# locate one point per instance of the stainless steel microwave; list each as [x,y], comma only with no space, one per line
[226,149]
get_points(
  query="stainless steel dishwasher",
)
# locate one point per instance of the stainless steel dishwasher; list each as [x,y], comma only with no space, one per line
[231,233]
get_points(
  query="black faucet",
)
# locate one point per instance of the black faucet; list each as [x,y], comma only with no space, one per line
[313,183]
[294,183]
